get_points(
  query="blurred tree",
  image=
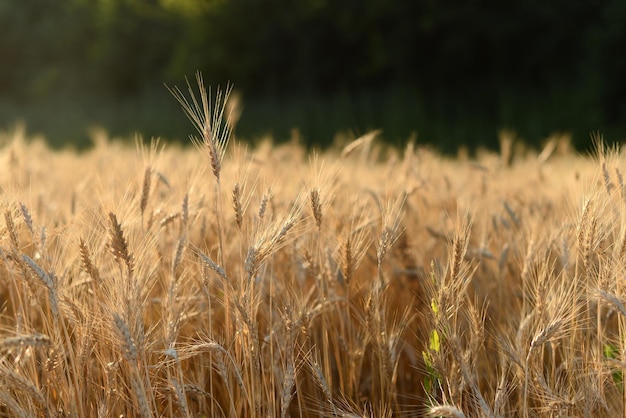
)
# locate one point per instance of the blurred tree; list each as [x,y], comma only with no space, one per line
[606,44]
[463,59]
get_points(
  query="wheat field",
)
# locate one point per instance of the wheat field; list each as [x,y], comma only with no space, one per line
[226,280]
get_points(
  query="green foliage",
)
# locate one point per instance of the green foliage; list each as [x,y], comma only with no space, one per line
[612,352]
[432,380]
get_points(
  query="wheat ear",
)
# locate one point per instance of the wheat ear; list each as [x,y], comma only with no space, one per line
[237,205]
[87,262]
[119,245]
[145,190]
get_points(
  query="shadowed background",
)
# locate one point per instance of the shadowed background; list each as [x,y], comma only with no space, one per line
[453,73]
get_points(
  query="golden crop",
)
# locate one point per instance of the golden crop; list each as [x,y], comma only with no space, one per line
[166,281]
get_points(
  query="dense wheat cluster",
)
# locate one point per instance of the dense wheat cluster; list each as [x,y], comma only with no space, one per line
[226,281]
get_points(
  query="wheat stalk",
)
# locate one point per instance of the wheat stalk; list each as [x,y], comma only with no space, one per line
[208,120]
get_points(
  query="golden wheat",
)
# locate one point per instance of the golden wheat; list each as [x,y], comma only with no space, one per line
[371,283]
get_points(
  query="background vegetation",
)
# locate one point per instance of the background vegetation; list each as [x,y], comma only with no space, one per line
[454,71]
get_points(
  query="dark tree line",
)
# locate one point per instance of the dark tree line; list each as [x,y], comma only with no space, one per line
[458,57]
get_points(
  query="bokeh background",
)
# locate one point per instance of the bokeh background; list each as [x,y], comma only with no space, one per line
[451,72]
